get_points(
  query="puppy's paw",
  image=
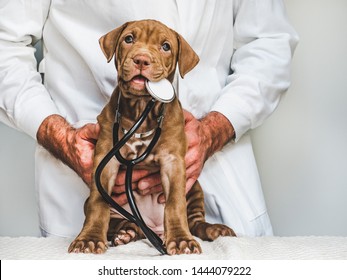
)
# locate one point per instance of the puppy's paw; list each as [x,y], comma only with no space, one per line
[182,246]
[210,232]
[122,231]
[88,246]
[124,237]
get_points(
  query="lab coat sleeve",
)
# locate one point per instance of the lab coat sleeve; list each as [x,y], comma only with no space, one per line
[264,43]
[24,101]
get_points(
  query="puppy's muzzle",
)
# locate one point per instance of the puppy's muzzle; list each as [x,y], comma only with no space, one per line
[142,62]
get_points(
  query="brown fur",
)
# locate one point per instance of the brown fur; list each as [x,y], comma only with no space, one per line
[183,217]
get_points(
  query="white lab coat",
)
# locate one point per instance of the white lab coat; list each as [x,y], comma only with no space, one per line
[245,49]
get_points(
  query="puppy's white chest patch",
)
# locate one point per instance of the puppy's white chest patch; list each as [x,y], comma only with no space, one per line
[136,146]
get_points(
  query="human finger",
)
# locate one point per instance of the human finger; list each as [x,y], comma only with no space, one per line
[149,181]
[120,199]
[154,189]
[136,176]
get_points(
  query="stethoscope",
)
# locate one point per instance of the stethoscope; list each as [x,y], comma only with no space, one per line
[163,92]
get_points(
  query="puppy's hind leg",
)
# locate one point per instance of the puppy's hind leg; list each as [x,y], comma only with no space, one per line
[196,217]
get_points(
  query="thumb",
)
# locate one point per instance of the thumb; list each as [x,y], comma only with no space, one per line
[90,131]
[187,116]
[189,184]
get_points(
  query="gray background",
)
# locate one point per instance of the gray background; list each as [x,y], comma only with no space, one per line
[301,149]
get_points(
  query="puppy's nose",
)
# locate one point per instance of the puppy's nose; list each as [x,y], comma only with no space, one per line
[141,61]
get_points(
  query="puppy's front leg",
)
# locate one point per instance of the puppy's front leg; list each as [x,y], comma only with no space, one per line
[93,237]
[178,239]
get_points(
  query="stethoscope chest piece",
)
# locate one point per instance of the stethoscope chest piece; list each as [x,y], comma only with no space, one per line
[162,90]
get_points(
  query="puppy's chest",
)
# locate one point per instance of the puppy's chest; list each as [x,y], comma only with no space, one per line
[135,147]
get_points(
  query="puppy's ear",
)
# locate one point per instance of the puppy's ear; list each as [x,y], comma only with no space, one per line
[187,58]
[109,41]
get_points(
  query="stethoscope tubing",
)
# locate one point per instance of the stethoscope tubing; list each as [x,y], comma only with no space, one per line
[135,217]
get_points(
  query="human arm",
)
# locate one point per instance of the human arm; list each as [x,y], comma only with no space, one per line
[264,42]
[25,103]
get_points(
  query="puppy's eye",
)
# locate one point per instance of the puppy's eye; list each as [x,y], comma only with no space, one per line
[166,47]
[129,39]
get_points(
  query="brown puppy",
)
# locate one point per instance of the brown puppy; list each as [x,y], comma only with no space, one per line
[146,50]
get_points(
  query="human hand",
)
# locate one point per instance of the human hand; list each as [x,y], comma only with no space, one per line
[81,147]
[144,182]
[198,145]
[74,147]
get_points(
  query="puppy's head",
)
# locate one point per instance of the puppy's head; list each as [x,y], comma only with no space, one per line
[146,50]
